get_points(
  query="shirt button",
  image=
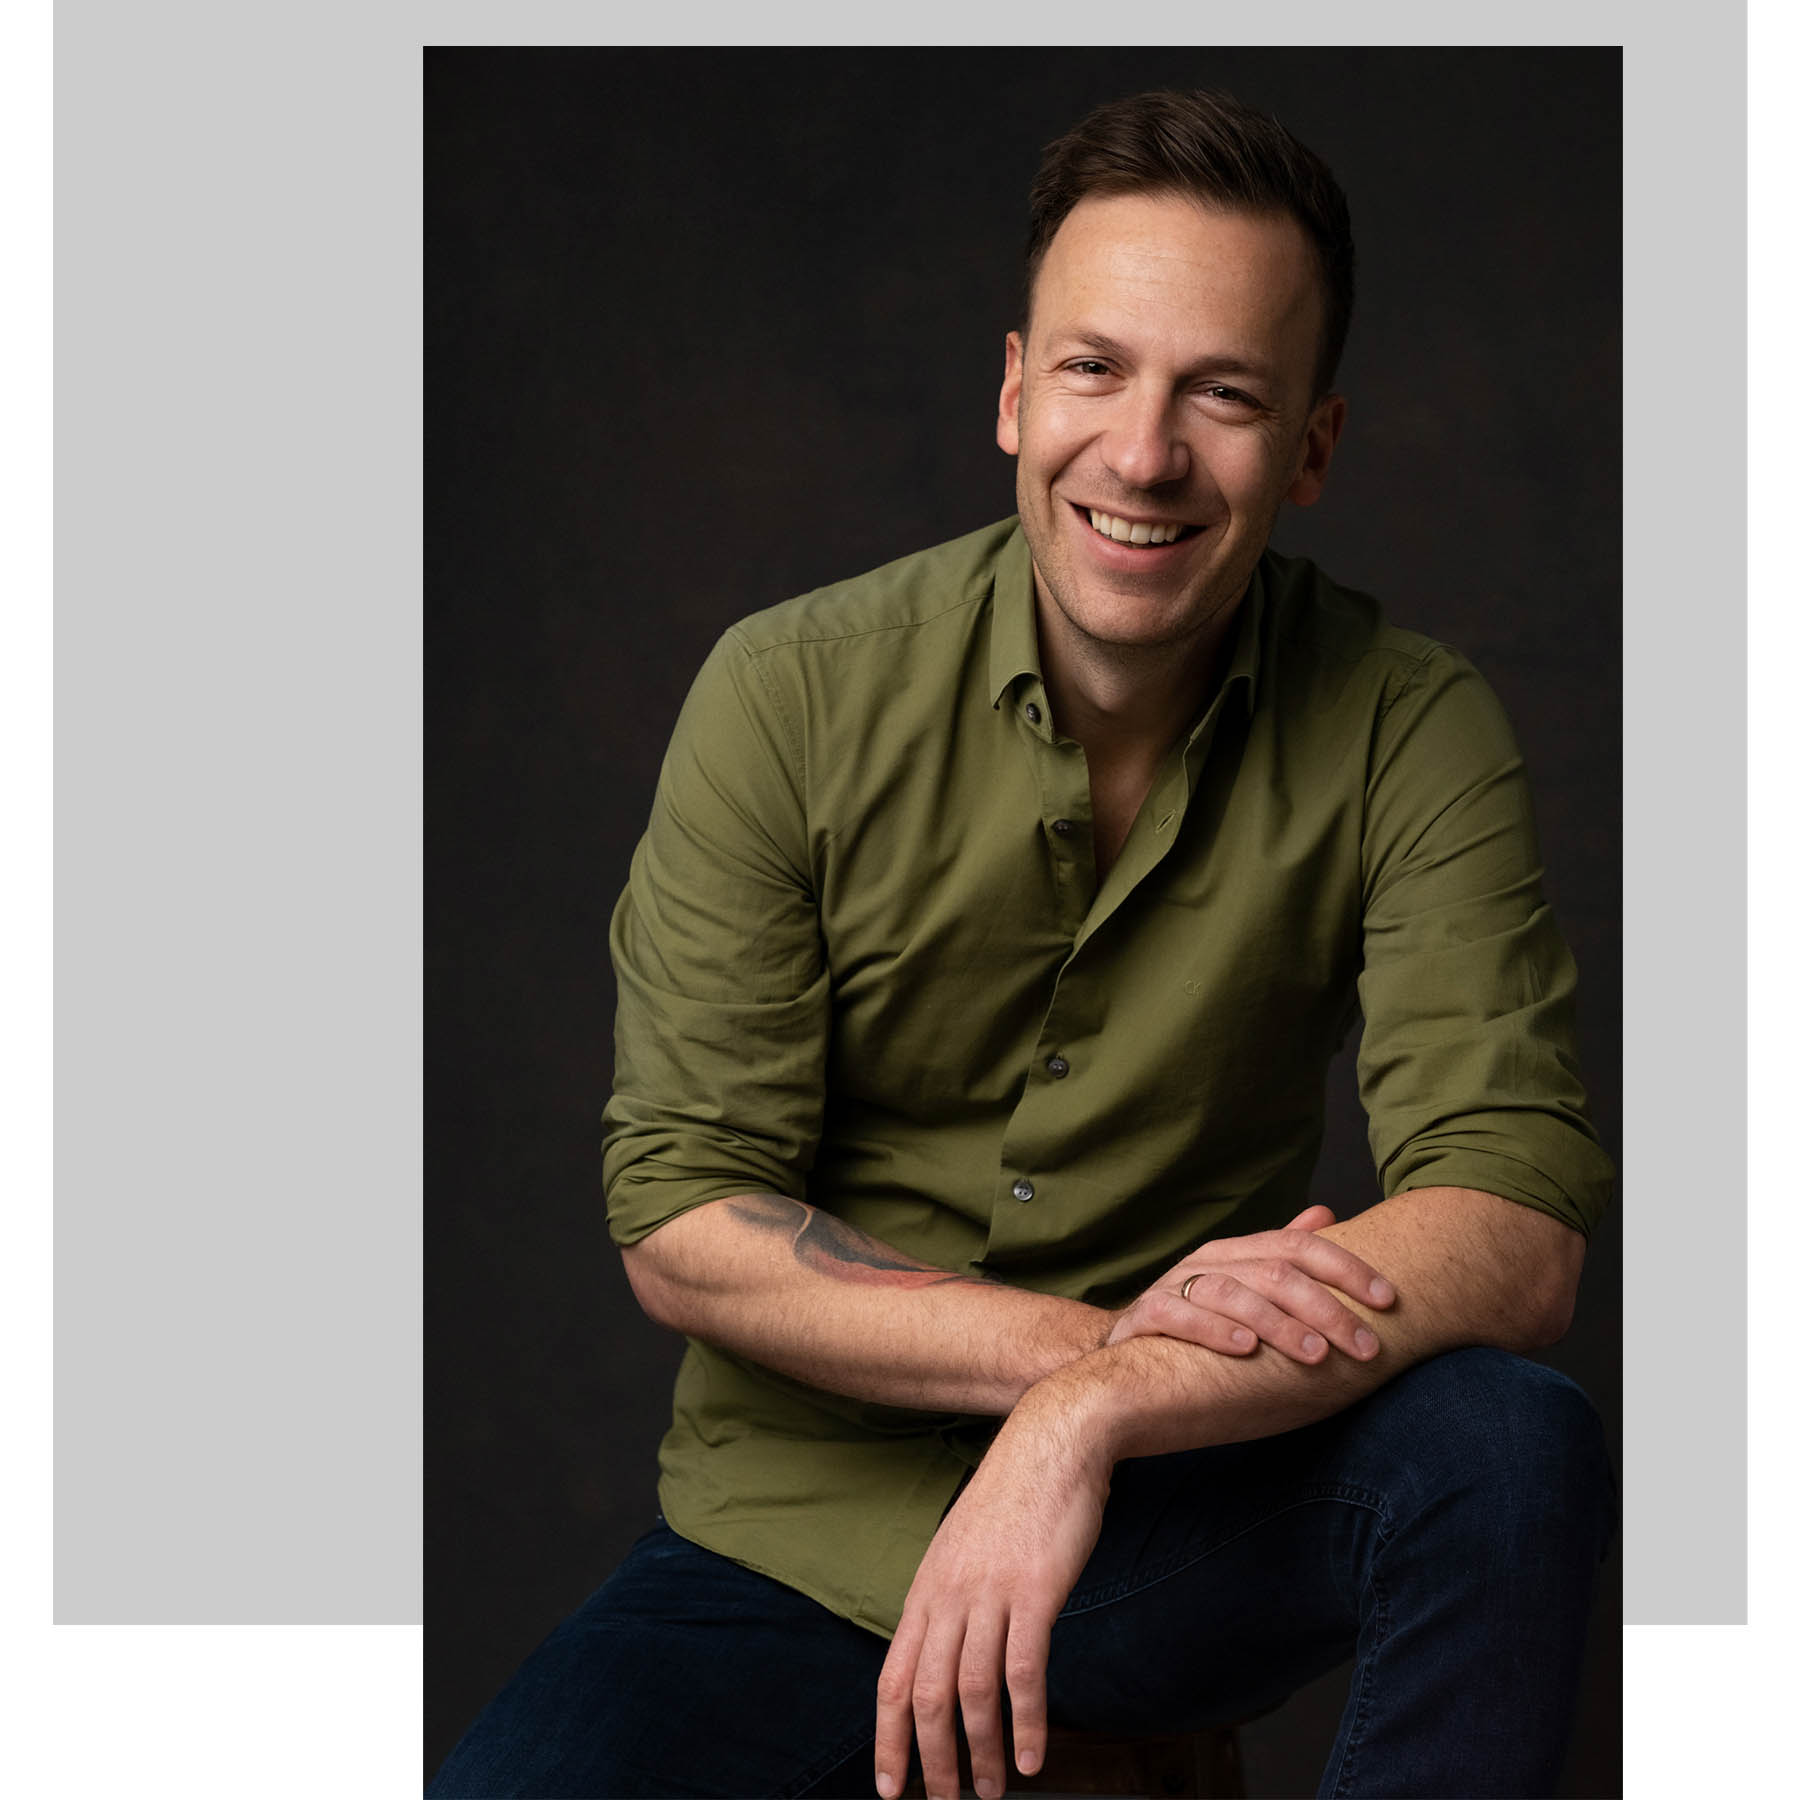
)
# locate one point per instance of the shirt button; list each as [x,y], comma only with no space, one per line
[1022,1189]
[1062,827]
[1032,713]
[1058,1066]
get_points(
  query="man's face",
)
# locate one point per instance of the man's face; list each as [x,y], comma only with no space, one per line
[1167,381]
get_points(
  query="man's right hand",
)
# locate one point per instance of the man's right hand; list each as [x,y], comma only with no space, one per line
[1273,1287]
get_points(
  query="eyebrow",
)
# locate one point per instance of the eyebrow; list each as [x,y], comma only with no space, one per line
[1223,364]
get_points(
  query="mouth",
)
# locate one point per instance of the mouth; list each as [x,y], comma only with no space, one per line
[1139,539]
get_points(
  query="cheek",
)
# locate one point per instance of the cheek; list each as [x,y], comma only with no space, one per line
[1248,474]
[1050,441]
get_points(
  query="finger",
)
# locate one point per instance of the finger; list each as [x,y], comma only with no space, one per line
[1326,1260]
[978,1687]
[934,1700]
[1316,1317]
[1299,1323]
[893,1709]
[1315,1218]
[1163,1313]
[1027,1659]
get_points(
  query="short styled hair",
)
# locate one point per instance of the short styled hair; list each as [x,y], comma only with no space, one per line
[1214,149]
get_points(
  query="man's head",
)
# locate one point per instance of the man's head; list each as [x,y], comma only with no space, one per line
[1214,150]
[1170,376]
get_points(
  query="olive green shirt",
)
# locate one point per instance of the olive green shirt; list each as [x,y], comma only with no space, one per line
[864,960]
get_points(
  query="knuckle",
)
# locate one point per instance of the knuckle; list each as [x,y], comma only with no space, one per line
[977,1687]
[893,1688]
[930,1699]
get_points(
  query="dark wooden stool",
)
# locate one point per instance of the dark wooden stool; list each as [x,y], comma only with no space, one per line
[1196,1764]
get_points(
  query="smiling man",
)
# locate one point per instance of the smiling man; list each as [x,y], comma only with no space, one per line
[998,916]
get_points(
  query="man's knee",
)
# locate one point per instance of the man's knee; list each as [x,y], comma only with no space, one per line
[1518,1441]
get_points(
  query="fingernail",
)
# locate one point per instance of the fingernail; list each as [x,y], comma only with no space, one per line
[1242,1338]
[1028,1762]
[1365,1340]
[1381,1292]
[988,1788]
[886,1786]
[1312,1343]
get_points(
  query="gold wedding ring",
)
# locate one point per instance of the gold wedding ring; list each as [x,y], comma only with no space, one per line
[1190,1282]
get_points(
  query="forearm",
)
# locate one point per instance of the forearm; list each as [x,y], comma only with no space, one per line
[1467,1267]
[798,1290]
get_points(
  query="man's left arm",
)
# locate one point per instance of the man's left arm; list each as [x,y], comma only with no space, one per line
[1468,1268]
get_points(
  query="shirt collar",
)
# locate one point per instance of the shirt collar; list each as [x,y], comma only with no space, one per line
[1247,648]
[1013,646]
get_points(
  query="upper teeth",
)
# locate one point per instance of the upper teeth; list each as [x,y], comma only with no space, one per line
[1124,532]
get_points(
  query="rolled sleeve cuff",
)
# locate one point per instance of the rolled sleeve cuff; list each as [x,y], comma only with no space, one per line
[1461,1159]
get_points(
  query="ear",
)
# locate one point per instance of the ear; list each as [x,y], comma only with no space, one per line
[1006,433]
[1322,432]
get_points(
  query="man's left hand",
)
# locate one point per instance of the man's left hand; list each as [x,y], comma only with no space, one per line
[979,1612]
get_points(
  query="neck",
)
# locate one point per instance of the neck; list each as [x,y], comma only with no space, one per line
[1125,704]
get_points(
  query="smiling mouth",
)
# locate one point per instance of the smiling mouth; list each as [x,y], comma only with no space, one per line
[1138,533]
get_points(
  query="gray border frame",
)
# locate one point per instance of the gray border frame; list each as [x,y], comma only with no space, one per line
[238,848]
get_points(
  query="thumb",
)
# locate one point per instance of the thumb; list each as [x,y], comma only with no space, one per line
[1315,1218]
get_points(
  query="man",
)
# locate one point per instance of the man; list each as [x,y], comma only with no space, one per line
[997,919]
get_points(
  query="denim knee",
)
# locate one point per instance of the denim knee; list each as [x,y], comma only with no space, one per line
[1520,1440]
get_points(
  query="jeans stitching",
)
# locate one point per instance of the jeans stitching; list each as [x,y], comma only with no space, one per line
[1092,1599]
[1343,1787]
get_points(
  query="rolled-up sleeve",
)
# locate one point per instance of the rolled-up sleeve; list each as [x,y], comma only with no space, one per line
[1468,1068]
[724,1007]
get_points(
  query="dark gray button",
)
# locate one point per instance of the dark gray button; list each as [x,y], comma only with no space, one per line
[1032,713]
[1022,1189]
[1062,827]
[1058,1066]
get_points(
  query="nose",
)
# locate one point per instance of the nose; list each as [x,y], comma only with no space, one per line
[1144,446]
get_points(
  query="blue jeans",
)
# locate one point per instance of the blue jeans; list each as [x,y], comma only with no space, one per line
[1444,1533]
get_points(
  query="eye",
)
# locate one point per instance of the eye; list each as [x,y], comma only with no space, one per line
[1090,366]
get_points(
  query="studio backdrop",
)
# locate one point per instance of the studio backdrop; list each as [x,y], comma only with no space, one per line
[708,328]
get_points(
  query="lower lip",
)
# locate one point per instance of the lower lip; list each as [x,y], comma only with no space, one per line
[1134,556]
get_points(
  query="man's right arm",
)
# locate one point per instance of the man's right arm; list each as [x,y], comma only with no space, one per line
[800,1291]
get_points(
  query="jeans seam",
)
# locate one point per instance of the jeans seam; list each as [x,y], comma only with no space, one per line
[1343,1788]
[1091,1600]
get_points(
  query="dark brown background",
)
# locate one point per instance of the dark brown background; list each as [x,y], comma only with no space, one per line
[707,328]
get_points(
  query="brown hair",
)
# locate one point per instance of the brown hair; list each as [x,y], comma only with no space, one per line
[1219,151]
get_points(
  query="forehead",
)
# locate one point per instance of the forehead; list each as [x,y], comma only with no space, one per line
[1169,265]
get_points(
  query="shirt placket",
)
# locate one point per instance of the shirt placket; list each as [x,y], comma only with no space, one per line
[1022,1206]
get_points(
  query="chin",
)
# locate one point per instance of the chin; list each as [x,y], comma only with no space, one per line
[1129,629]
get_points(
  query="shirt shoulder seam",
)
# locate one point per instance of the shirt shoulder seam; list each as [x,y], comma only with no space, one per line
[1419,660]
[776,704]
[840,637]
